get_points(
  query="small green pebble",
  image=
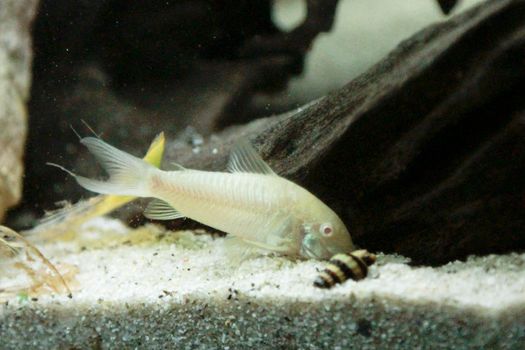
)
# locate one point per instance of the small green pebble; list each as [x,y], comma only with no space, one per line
[22,297]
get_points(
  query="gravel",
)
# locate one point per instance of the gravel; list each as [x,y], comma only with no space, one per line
[157,289]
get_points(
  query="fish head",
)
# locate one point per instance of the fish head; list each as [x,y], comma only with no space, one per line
[326,237]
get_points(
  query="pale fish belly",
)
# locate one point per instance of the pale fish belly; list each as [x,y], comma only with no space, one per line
[250,206]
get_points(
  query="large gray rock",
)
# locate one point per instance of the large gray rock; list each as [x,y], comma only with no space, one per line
[15,77]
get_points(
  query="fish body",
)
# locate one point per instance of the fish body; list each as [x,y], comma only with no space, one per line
[342,267]
[250,202]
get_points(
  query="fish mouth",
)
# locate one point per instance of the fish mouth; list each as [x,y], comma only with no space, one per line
[313,247]
[305,251]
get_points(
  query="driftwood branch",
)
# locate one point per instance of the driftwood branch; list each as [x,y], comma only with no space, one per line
[424,154]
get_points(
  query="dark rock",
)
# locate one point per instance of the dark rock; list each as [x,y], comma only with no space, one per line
[320,18]
[447,5]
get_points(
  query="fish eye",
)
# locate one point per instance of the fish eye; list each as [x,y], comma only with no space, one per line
[326,230]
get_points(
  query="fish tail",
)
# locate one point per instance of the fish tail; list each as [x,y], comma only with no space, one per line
[56,222]
[128,175]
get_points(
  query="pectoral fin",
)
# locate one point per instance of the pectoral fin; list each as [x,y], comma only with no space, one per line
[160,210]
[238,250]
[274,248]
[275,235]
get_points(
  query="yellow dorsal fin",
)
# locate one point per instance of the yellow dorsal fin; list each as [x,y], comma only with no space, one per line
[156,150]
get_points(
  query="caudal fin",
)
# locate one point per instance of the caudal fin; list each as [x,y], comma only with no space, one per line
[127,174]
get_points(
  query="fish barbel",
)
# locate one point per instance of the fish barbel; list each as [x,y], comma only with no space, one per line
[250,202]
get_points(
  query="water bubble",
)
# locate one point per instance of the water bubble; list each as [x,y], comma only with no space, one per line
[193,138]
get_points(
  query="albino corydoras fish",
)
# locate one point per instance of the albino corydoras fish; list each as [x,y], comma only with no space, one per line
[250,202]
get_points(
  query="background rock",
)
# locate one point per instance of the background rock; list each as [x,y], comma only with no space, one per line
[15,64]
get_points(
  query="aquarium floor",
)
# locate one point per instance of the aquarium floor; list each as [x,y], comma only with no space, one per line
[183,292]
